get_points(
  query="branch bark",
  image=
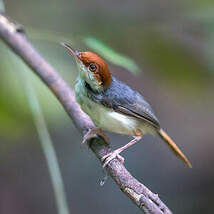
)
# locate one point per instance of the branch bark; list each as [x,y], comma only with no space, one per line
[13,35]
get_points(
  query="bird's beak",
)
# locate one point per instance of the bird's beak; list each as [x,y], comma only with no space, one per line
[76,54]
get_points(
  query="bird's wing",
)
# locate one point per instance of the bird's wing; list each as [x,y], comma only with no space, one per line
[122,99]
[135,113]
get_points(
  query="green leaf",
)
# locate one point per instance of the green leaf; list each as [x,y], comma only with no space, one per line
[111,55]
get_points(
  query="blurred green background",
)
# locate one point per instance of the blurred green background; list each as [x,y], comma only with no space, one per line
[172,43]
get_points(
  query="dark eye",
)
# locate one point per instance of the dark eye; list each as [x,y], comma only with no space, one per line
[92,67]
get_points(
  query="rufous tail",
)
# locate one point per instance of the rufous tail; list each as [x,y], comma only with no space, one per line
[173,146]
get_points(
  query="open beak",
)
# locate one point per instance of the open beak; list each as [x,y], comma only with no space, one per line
[76,54]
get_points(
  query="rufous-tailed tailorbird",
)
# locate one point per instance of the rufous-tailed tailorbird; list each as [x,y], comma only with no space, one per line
[113,105]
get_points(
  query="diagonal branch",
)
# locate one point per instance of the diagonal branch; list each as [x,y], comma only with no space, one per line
[15,38]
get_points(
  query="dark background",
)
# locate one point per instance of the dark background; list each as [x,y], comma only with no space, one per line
[173,44]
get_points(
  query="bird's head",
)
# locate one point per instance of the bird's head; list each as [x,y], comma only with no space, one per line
[93,69]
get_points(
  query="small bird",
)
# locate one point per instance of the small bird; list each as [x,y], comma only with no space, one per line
[114,106]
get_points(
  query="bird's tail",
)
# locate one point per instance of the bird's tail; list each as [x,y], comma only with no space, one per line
[173,146]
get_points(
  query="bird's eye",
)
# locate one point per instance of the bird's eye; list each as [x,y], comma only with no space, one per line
[92,67]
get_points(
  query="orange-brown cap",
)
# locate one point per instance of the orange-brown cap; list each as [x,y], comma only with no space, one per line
[102,73]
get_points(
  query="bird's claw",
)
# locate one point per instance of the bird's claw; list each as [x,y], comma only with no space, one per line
[110,156]
[90,134]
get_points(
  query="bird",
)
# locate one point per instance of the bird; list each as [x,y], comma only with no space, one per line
[114,106]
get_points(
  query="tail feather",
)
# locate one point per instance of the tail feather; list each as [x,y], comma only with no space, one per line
[173,147]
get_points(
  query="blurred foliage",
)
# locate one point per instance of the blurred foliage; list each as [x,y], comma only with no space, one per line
[14,111]
[167,56]
[171,43]
[13,108]
[94,44]
[49,36]
[164,49]
[176,65]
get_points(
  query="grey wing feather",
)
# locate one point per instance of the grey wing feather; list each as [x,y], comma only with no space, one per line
[125,100]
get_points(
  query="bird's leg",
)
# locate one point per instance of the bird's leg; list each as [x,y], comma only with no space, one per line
[91,132]
[107,158]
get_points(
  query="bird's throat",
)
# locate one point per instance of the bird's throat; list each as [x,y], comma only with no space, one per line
[88,86]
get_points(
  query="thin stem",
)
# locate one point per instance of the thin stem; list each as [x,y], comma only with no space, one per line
[2,6]
[46,143]
[47,146]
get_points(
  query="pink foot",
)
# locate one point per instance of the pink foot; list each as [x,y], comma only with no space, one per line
[112,155]
[90,134]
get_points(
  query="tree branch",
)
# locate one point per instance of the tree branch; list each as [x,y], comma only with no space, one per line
[15,38]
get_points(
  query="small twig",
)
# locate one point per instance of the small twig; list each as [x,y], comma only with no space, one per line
[136,191]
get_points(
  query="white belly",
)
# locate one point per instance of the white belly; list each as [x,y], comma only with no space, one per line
[108,119]
[112,121]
